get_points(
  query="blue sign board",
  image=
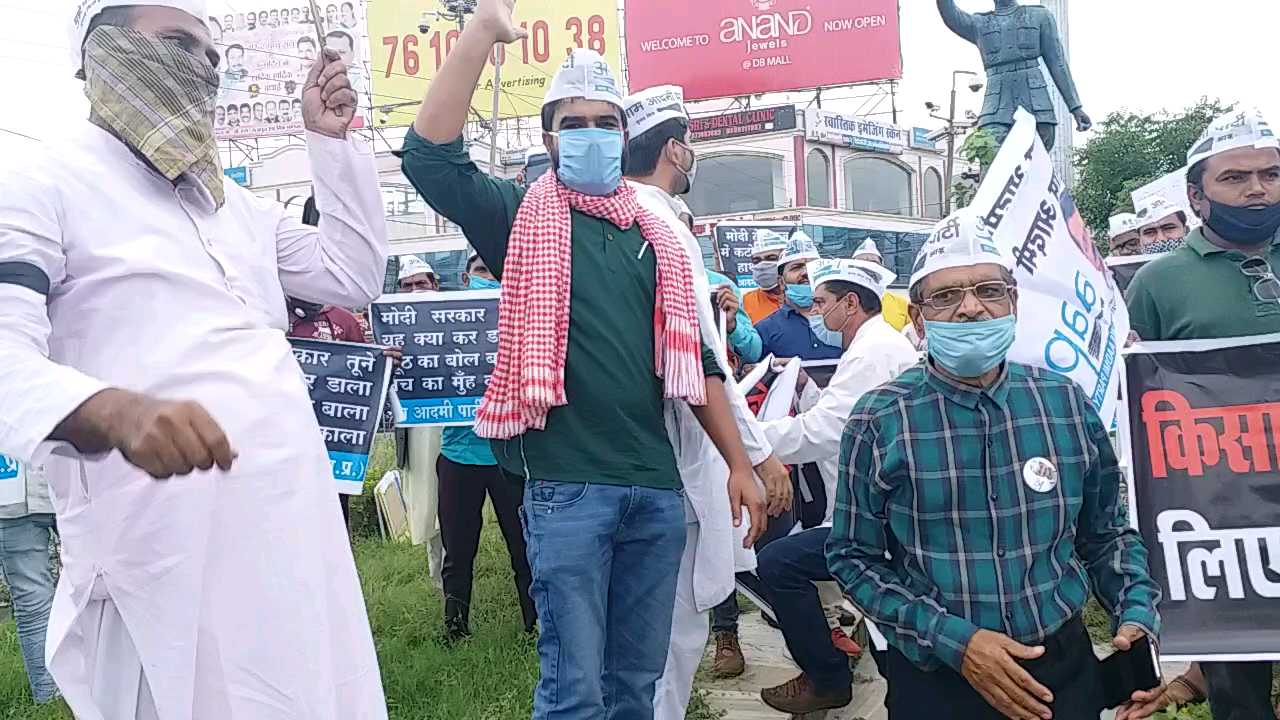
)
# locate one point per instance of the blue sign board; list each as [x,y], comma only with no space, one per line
[238,174]
[920,139]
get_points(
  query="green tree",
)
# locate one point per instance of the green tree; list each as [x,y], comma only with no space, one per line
[1129,151]
[980,147]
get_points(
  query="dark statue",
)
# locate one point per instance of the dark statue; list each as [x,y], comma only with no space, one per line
[1012,40]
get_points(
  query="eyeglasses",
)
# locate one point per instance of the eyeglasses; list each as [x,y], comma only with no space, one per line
[987,292]
[1267,287]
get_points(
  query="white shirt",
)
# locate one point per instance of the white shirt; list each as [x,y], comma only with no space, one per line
[238,588]
[877,355]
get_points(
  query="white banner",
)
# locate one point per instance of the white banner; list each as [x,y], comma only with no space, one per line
[1071,316]
[267,50]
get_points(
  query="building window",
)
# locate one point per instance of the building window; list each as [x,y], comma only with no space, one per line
[932,194]
[877,185]
[738,184]
[818,179]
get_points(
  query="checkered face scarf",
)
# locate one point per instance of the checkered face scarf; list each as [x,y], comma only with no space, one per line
[158,99]
[533,312]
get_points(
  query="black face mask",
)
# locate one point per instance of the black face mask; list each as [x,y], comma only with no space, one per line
[1242,225]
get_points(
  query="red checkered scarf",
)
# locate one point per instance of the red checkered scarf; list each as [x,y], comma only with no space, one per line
[533,312]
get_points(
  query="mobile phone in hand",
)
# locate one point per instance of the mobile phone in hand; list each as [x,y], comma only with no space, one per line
[1124,673]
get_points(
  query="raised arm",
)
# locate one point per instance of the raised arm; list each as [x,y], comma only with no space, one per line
[343,261]
[957,20]
[444,113]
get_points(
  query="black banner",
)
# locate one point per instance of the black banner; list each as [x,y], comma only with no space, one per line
[743,123]
[348,384]
[1124,267]
[733,243]
[450,344]
[1204,420]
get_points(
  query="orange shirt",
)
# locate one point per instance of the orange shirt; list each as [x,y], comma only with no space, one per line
[759,304]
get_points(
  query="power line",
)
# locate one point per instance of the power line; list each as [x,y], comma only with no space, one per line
[21,135]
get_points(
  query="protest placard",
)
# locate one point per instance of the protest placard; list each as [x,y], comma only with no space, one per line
[1071,315]
[348,385]
[1124,267]
[450,344]
[733,243]
[1203,436]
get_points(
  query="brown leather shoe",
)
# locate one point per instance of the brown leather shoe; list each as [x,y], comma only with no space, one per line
[729,662]
[798,696]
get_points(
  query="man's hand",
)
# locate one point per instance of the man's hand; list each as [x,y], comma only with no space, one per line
[727,301]
[328,102]
[991,667]
[1126,636]
[162,437]
[494,17]
[1146,703]
[1083,123]
[394,353]
[744,493]
[777,485]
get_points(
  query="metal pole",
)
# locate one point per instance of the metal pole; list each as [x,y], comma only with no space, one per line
[498,53]
[951,148]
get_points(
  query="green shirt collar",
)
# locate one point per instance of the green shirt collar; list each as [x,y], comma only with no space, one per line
[968,395]
[1198,242]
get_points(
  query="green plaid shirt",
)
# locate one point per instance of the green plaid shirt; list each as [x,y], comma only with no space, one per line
[938,533]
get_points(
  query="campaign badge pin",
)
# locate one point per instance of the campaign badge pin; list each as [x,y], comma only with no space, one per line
[1040,475]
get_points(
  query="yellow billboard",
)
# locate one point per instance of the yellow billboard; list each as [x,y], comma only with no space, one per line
[404,57]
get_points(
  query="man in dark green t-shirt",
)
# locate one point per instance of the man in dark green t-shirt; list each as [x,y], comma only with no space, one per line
[1221,284]
[603,507]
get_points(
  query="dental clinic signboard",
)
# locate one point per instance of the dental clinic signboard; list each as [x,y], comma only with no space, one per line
[830,128]
[725,48]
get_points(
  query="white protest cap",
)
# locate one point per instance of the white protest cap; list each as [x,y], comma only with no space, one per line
[871,276]
[799,247]
[868,247]
[87,10]
[1155,208]
[411,265]
[584,74]
[1236,129]
[1121,224]
[768,241]
[649,108]
[960,240]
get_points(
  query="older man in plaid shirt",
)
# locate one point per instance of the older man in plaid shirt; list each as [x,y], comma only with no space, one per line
[978,506]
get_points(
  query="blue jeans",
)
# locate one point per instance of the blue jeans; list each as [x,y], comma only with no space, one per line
[24,562]
[605,560]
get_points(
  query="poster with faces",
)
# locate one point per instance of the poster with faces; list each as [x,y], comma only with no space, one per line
[268,49]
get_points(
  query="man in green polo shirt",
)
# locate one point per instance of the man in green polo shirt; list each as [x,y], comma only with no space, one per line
[580,417]
[1220,284]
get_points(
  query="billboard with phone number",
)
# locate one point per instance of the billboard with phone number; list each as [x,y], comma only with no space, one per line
[405,57]
[725,48]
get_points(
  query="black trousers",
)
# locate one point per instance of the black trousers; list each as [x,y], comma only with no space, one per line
[1239,691]
[1068,668]
[462,492]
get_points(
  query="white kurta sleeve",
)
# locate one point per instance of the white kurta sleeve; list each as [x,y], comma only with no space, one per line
[814,435]
[38,393]
[343,262]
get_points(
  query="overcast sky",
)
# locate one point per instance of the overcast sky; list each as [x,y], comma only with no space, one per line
[1141,55]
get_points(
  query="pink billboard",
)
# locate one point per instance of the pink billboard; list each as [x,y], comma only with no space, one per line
[721,48]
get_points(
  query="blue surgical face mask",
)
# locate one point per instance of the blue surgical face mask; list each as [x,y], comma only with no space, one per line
[479,283]
[970,349]
[825,335]
[590,160]
[800,295]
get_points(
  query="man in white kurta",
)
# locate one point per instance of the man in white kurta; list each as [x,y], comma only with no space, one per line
[713,550]
[222,594]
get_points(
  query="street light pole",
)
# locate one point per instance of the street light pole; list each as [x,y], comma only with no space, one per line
[951,135]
